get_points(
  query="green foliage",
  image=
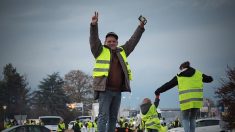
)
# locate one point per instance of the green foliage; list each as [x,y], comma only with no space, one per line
[50,99]
[14,92]
[226,94]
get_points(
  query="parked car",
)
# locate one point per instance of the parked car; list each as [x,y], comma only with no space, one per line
[27,128]
[203,125]
[70,125]
[51,122]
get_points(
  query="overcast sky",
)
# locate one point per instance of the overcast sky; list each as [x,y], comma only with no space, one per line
[40,37]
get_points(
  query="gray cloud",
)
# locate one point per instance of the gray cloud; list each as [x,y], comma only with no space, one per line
[42,37]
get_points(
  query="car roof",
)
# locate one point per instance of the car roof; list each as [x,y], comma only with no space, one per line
[13,127]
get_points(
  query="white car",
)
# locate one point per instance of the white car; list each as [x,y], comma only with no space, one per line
[51,122]
[203,125]
[70,125]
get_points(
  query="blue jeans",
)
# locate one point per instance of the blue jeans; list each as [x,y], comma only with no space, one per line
[109,103]
[189,119]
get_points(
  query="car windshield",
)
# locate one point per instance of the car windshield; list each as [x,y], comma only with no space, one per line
[71,122]
[84,118]
[50,121]
[204,123]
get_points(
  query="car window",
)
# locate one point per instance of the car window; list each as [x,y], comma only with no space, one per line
[213,122]
[200,123]
[13,130]
[50,121]
[84,118]
[203,123]
[44,129]
[21,129]
[72,122]
[34,128]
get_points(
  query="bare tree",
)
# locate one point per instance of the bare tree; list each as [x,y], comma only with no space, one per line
[226,94]
[78,87]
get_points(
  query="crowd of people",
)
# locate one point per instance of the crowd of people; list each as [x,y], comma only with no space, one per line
[85,126]
[13,122]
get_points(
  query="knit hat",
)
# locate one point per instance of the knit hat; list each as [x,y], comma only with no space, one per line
[185,64]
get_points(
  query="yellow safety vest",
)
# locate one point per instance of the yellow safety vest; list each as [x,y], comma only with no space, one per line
[151,120]
[61,127]
[95,126]
[80,124]
[190,91]
[89,124]
[102,64]
[121,122]
[7,124]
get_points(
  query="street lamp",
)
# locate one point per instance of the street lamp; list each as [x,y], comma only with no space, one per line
[4,107]
[4,113]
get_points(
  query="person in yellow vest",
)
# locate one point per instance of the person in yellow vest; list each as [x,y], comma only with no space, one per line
[77,127]
[61,126]
[124,125]
[111,73]
[94,126]
[27,122]
[131,124]
[40,123]
[190,91]
[176,123]
[149,116]
[7,124]
[89,126]
[121,121]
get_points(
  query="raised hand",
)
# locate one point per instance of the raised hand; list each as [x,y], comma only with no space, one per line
[94,18]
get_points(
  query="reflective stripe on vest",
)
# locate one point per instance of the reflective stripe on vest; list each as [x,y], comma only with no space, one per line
[151,119]
[102,64]
[190,91]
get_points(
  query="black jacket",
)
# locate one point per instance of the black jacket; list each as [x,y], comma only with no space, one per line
[173,82]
